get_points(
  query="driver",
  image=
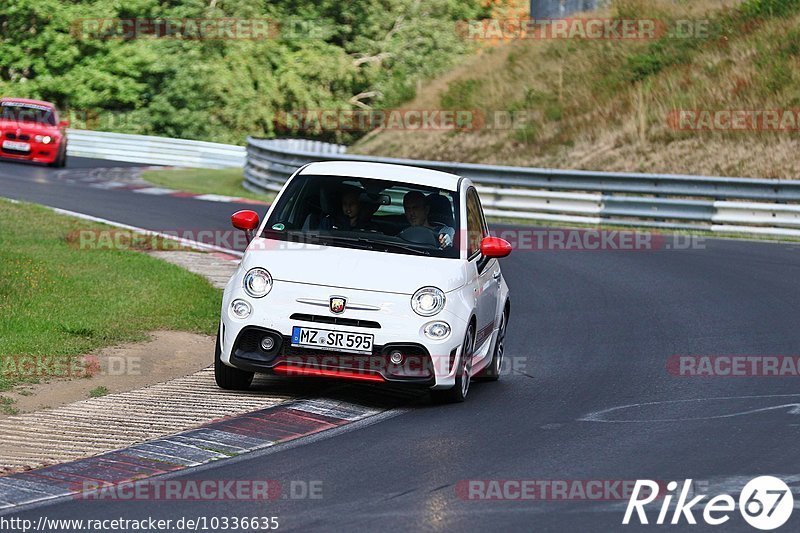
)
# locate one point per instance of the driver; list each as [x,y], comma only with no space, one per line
[354,216]
[417,210]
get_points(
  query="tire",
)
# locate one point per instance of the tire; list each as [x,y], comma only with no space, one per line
[61,159]
[458,392]
[492,372]
[227,377]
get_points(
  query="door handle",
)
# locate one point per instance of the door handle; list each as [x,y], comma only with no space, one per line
[496,275]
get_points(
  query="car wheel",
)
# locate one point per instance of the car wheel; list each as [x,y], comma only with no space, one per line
[458,392]
[492,372]
[227,377]
[61,159]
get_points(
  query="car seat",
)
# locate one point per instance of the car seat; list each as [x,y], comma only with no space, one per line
[441,211]
[327,204]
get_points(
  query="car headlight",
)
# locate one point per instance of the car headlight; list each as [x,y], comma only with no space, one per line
[257,282]
[44,139]
[427,301]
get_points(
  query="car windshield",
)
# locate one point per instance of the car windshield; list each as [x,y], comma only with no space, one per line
[381,215]
[19,112]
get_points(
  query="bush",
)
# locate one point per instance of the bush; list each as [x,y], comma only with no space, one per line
[461,94]
[224,90]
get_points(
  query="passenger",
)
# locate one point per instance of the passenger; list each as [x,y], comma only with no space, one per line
[417,210]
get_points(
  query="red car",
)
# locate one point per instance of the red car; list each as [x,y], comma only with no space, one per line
[30,130]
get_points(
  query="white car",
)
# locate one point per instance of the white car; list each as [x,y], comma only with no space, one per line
[370,272]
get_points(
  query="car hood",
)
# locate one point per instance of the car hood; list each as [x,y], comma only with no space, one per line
[350,268]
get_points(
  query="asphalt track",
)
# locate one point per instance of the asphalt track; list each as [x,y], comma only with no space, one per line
[590,331]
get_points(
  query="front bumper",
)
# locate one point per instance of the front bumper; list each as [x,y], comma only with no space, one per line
[39,153]
[425,362]
[416,367]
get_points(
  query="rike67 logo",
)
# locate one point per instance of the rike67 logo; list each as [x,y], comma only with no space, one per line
[765,503]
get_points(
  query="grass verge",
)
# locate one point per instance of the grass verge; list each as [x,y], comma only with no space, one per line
[97,392]
[7,406]
[225,181]
[58,302]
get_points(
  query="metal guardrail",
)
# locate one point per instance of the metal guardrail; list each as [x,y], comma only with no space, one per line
[153,150]
[730,205]
[546,9]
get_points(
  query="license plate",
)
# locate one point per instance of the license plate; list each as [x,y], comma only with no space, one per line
[16,145]
[326,339]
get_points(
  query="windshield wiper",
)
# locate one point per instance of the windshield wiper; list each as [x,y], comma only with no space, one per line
[371,243]
[351,241]
[363,243]
[402,247]
[317,238]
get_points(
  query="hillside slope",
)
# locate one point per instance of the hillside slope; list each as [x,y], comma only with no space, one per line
[607,104]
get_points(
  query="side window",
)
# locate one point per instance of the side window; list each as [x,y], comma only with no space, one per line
[476,227]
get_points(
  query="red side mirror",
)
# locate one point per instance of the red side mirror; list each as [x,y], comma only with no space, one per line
[495,247]
[63,124]
[245,220]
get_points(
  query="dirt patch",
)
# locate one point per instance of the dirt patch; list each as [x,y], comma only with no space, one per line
[167,355]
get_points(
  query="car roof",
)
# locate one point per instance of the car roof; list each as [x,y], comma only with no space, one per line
[27,101]
[384,171]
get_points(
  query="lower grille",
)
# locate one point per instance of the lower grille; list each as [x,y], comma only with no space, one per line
[16,152]
[416,366]
[248,345]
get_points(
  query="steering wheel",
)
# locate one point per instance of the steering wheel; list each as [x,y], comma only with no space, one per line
[419,235]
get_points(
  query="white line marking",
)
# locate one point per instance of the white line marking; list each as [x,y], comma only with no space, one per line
[155,190]
[185,242]
[215,198]
[109,184]
[599,416]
